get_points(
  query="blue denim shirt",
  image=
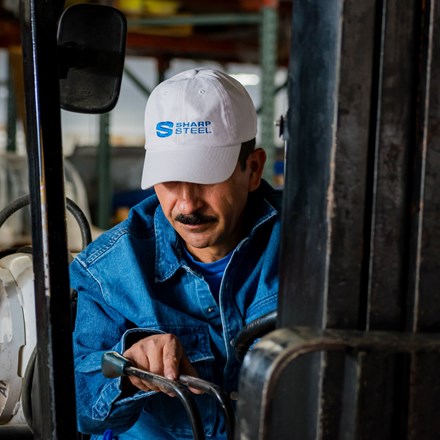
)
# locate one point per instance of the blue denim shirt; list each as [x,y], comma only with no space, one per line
[133,281]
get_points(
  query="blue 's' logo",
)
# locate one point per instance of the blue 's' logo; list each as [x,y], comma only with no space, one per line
[167,128]
[164,128]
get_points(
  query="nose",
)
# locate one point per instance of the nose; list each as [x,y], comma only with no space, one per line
[189,199]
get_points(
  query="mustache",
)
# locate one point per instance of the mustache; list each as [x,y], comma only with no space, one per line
[194,219]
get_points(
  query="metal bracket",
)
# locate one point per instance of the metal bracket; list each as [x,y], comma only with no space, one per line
[263,366]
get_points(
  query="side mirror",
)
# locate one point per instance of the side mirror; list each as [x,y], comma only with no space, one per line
[91,49]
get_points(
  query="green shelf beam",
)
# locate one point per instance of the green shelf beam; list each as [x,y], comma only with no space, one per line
[268,56]
[198,20]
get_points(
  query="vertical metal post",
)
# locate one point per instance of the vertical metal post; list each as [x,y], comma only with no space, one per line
[104,172]
[423,308]
[163,65]
[55,418]
[268,55]
[11,144]
[308,200]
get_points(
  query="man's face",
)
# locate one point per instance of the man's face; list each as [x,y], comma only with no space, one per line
[209,217]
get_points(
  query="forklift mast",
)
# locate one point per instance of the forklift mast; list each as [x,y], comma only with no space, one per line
[65,54]
[57,417]
[356,348]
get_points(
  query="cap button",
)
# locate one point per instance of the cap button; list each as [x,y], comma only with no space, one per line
[192,73]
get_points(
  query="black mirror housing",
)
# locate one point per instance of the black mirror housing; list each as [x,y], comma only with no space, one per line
[91,51]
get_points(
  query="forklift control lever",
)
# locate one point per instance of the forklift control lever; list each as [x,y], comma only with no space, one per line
[114,365]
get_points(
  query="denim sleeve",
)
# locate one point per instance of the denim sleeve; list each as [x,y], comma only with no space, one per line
[101,403]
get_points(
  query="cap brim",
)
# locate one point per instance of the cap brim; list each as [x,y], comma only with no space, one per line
[204,166]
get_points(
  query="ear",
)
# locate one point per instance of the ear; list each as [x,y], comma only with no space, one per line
[255,162]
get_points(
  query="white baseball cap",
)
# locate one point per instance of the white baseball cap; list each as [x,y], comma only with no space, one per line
[195,123]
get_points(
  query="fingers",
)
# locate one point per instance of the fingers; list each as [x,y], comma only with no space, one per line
[172,355]
[187,368]
[142,385]
[141,360]
[162,355]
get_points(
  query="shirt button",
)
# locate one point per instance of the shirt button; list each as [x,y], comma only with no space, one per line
[211,309]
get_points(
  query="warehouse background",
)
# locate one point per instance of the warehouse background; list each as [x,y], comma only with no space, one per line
[104,153]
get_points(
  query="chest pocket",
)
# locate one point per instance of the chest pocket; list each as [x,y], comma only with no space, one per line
[195,341]
[169,412]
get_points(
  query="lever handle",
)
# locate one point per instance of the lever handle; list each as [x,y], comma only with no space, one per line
[114,365]
[219,394]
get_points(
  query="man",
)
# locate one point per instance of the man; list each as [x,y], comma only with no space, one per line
[171,286]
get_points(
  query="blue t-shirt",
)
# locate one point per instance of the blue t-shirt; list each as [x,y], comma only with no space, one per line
[211,272]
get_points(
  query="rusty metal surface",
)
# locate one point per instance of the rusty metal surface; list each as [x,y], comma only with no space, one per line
[272,356]
[360,221]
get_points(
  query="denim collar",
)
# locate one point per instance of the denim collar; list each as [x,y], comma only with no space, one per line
[168,253]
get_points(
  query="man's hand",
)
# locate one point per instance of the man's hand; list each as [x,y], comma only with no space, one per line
[159,354]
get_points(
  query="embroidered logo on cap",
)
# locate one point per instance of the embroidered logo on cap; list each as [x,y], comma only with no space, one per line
[167,128]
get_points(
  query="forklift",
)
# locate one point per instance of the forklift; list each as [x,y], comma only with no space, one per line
[353,350]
